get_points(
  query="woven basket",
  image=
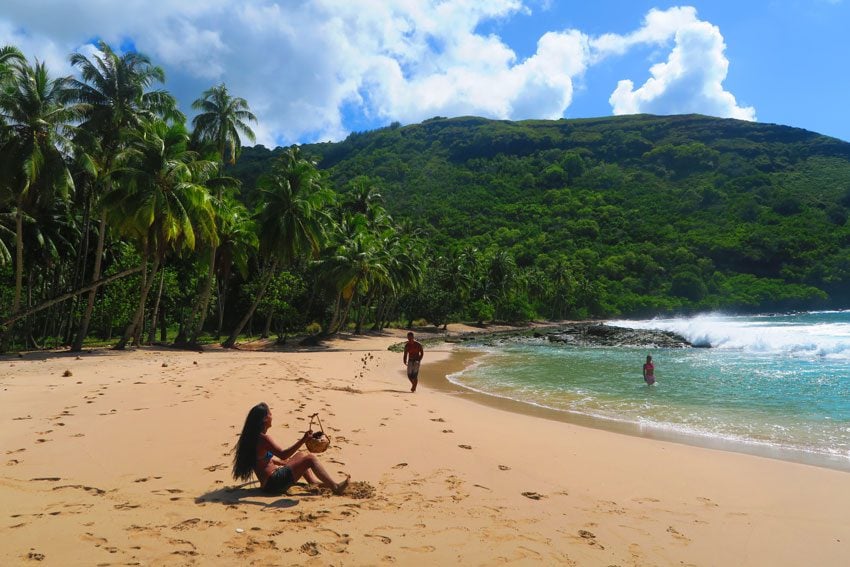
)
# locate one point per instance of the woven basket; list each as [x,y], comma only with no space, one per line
[319,441]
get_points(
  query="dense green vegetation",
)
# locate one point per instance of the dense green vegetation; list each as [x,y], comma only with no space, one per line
[119,223]
[631,215]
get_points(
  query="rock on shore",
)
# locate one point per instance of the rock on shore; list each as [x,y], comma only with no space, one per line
[583,335]
[594,334]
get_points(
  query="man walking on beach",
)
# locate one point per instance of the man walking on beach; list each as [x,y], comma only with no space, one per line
[412,357]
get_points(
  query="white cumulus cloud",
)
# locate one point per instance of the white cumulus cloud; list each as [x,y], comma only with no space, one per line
[690,80]
[306,68]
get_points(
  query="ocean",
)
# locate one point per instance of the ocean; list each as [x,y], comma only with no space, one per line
[771,385]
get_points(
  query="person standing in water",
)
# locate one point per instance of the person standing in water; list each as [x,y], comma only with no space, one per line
[649,371]
[412,357]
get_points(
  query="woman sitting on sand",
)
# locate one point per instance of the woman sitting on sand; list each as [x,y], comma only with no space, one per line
[276,468]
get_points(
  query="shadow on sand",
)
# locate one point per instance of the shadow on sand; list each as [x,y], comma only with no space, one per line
[250,493]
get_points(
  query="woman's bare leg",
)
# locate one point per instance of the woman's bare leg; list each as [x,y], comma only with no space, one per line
[303,464]
[308,476]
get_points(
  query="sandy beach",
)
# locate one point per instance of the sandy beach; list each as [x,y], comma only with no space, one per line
[123,458]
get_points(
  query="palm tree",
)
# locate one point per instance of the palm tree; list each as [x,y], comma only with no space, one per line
[405,262]
[221,119]
[37,121]
[237,241]
[8,55]
[356,266]
[117,92]
[161,202]
[291,221]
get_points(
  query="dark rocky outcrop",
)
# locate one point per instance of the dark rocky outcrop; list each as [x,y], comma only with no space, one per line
[594,334]
[582,335]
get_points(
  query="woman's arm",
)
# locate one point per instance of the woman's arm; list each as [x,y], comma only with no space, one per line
[282,453]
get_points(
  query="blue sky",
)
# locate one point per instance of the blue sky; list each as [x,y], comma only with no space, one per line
[316,70]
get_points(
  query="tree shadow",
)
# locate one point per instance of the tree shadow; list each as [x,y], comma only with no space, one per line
[255,496]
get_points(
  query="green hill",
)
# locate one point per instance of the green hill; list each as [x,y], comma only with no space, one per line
[644,214]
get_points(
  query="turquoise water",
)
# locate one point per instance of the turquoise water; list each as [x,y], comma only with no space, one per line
[776,385]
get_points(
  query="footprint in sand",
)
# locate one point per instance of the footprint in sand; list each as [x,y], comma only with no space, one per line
[186,524]
[677,534]
[448,430]
[310,548]
[339,545]
[381,538]
[465,446]
[438,419]
[421,549]
[504,468]
[590,538]
[400,466]
[213,468]
[92,489]
[645,500]
[533,495]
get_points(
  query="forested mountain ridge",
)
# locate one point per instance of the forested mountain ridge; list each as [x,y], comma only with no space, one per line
[638,214]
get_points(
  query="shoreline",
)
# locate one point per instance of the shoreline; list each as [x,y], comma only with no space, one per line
[460,359]
[126,460]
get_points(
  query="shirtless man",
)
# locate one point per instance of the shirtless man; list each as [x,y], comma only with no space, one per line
[412,357]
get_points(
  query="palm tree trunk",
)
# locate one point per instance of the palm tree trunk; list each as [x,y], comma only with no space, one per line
[83,330]
[344,319]
[267,328]
[231,340]
[19,274]
[130,330]
[365,307]
[152,328]
[334,324]
[51,302]
[221,290]
[140,314]
[79,273]
[199,314]
[19,258]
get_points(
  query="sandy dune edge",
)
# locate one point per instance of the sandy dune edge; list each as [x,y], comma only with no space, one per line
[126,462]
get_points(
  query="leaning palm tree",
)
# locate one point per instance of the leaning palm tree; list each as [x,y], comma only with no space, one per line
[221,120]
[117,91]
[33,169]
[160,202]
[292,220]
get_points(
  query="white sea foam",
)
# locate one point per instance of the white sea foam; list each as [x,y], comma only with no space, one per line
[763,335]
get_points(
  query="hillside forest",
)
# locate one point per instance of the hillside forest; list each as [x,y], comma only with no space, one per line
[123,222]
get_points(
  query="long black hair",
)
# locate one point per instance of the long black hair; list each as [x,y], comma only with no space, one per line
[245,456]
